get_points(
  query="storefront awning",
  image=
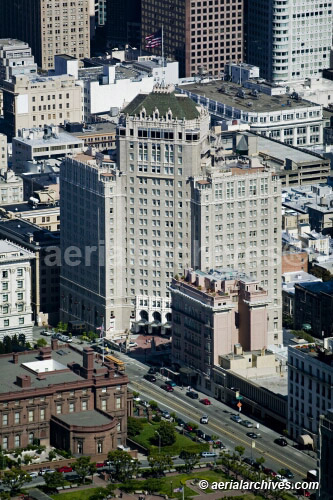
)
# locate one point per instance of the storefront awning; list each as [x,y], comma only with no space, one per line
[305,440]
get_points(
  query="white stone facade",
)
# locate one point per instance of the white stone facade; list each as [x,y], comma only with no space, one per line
[15,298]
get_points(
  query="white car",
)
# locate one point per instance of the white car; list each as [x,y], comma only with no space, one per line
[46,470]
[46,333]
[33,474]
[204,419]
[132,344]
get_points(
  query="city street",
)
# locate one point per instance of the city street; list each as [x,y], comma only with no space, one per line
[230,433]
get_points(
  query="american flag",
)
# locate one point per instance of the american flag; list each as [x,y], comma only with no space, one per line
[154,40]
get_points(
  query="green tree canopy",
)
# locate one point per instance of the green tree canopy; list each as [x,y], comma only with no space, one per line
[84,467]
[123,465]
[167,434]
[159,463]
[14,479]
[54,480]
[134,426]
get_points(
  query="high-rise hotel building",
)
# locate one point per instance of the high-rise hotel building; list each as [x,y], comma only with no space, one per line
[50,27]
[136,212]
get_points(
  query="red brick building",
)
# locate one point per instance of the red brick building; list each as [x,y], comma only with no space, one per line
[294,260]
[63,397]
[197,33]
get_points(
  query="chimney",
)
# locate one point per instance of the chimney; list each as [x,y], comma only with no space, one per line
[45,353]
[88,362]
[15,358]
[54,344]
[23,381]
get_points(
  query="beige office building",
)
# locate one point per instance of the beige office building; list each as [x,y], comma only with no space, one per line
[31,102]
[49,27]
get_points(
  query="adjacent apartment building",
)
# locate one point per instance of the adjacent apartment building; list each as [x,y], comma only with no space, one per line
[30,102]
[211,313]
[49,27]
[310,379]
[202,36]
[288,40]
[61,397]
[236,224]
[15,305]
[326,454]
[15,59]
[314,307]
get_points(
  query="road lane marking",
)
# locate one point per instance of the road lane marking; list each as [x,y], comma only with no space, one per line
[221,429]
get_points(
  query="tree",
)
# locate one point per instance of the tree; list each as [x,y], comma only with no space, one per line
[123,465]
[319,272]
[190,458]
[153,405]
[302,335]
[54,480]
[167,434]
[287,321]
[15,479]
[159,463]
[52,455]
[134,426]
[152,485]
[41,343]
[260,461]
[84,467]
[240,450]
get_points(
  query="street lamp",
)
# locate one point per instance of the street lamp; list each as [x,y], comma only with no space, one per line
[159,441]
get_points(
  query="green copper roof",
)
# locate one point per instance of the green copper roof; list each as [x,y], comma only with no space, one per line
[180,106]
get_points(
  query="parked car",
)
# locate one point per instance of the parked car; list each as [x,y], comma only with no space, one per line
[45,470]
[33,474]
[249,461]
[192,394]
[281,441]
[73,478]
[180,422]
[252,435]
[301,491]
[287,473]
[208,454]
[46,333]
[204,419]
[132,344]
[65,468]
[167,388]
[236,418]
[188,427]
[208,438]
[150,378]
[269,472]
[205,401]
[171,382]
[200,434]
[166,414]
[219,444]
[99,465]
[246,423]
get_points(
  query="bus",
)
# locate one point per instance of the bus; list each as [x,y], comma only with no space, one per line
[119,364]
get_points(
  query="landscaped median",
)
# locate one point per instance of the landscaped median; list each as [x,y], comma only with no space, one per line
[148,438]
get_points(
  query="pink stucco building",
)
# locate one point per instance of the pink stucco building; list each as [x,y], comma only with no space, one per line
[211,312]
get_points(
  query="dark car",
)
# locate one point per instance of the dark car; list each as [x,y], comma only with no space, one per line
[73,478]
[257,466]
[287,473]
[180,422]
[152,371]
[252,435]
[201,434]
[150,378]
[281,441]
[249,461]
[208,438]
[192,394]
[167,388]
